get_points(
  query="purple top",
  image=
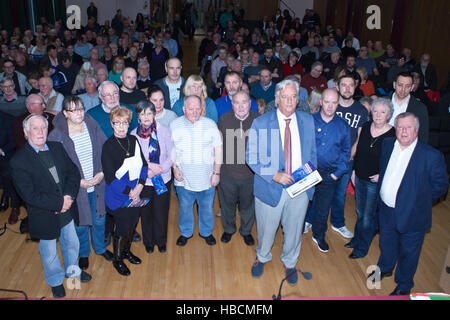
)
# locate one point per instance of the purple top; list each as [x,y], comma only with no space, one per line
[167,155]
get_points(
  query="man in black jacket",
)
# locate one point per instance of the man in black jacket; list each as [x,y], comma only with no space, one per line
[48,181]
[428,72]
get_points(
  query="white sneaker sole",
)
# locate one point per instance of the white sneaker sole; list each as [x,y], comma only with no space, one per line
[342,234]
[306,229]
[318,247]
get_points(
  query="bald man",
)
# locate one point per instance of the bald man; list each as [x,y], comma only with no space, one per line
[333,151]
[129,93]
[35,105]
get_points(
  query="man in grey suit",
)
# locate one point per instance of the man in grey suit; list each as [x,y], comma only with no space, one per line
[273,162]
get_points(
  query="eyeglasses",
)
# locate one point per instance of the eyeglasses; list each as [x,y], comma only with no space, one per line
[121,123]
[10,86]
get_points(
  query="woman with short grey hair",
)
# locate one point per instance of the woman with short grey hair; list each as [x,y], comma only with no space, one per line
[366,174]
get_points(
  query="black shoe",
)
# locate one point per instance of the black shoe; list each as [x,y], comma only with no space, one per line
[121,268]
[85,277]
[108,255]
[83,263]
[162,248]
[119,244]
[210,240]
[248,239]
[322,245]
[136,237]
[58,292]
[182,240]
[131,257]
[149,249]
[4,202]
[226,237]
[397,292]
[382,275]
[349,245]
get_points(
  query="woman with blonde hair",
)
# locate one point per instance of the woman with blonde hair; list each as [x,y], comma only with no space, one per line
[116,71]
[366,86]
[196,86]
[314,100]
[85,71]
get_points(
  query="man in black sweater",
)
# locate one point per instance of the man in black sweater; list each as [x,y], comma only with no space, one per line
[128,92]
[236,178]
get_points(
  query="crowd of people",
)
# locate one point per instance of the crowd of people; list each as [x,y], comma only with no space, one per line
[98,126]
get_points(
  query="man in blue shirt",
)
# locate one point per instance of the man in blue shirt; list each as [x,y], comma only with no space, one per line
[233,84]
[333,151]
[356,115]
[265,88]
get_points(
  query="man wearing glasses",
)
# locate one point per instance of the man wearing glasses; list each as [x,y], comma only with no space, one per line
[109,96]
[35,105]
[315,79]
[20,81]
[10,102]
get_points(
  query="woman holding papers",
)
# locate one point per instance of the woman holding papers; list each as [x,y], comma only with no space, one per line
[157,146]
[125,169]
[365,175]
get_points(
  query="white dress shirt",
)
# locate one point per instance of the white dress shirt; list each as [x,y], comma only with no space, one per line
[398,162]
[398,108]
[296,150]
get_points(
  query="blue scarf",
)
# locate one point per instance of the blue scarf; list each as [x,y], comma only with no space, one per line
[154,150]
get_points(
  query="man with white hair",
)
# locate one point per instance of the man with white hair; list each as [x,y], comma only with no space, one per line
[48,181]
[108,93]
[198,146]
[295,130]
[412,175]
[236,178]
[90,98]
[53,100]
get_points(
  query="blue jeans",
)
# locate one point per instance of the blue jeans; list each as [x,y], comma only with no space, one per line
[323,195]
[338,204]
[186,221]
[365,194]
[70,246]
[97,231]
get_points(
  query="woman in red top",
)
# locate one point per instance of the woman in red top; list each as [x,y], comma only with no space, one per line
[366,86]
[292,65]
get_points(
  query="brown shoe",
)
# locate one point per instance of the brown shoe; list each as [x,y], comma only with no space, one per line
[14,216]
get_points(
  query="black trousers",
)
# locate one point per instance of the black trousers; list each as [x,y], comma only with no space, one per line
[124,220]
[155,216]
[236,191]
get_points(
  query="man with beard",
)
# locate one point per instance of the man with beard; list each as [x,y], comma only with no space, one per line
[233,84]
[356,115]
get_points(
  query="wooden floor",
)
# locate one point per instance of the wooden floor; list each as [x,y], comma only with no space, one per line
[199,271]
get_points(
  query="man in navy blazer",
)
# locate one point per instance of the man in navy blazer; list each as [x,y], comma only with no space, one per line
[265,155]
[412,175]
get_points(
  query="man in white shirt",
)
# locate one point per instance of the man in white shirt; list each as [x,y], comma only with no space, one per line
[412,175]
[404,102]
[198,146]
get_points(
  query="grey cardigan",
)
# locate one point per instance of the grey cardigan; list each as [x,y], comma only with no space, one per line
[60,133]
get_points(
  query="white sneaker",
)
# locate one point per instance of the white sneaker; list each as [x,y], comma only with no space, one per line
[343,231]
[307,227]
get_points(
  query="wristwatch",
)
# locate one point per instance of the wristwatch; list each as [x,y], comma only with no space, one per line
[216,173]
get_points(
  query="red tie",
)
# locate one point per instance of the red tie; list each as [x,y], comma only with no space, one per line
[287,148]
